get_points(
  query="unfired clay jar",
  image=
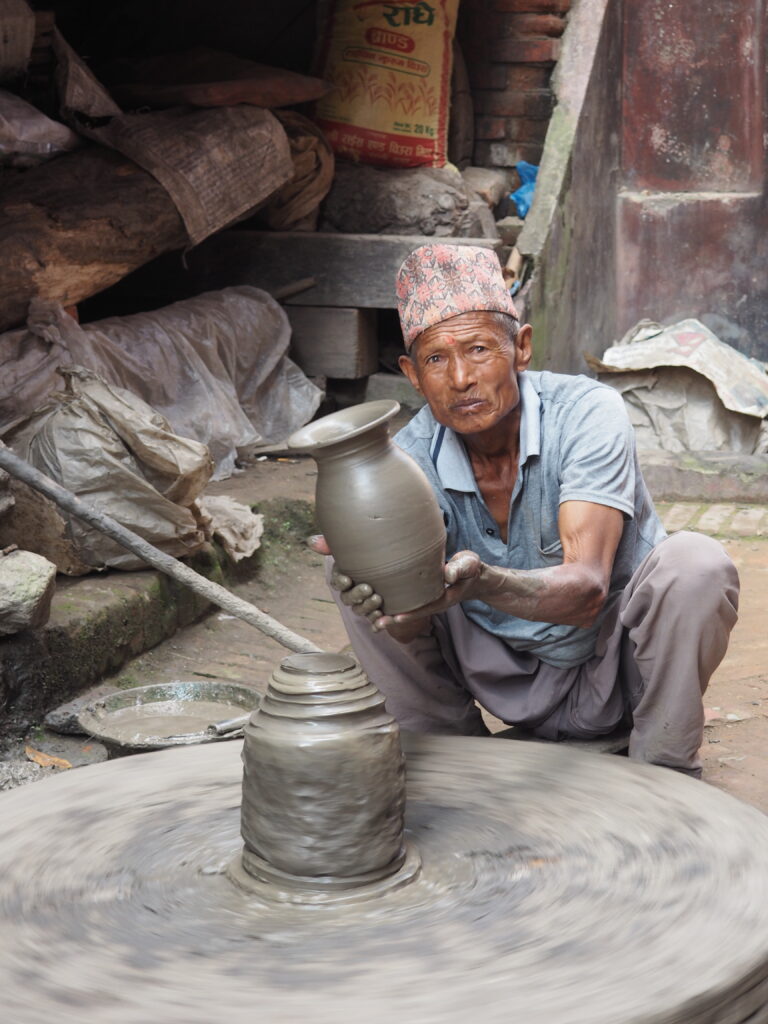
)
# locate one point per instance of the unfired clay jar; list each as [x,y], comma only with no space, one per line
[375,506]
[324,777]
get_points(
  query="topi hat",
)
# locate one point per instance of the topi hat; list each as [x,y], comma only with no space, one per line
[436,282]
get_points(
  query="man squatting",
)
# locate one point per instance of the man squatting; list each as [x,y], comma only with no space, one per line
[566,609]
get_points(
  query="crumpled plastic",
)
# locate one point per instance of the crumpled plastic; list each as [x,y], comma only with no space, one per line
[120,456]
[686,390]
[215,366]
[237,527]
[27,136]
[523,196]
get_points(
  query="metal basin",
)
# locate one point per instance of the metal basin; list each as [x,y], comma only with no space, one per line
[165,715]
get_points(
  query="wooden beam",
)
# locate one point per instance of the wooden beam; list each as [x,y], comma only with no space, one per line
[350,270]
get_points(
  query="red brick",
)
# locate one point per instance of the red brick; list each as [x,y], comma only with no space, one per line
[525,51]
[488,76]
[490,128]
[524,25]
[533,6]
[526,79]
[523,130]
[513,103]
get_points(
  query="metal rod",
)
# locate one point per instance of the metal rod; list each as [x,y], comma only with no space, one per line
[228,725]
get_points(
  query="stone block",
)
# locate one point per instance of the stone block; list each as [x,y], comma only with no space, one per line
[480,220]
[508,229]
[489,183]
[416,201]
[27,586]
[506,154]
[334,342]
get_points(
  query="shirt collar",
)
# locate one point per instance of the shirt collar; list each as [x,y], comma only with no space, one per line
[449,455]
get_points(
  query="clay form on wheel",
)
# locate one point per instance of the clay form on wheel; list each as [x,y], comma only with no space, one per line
[324,777]
[375,506]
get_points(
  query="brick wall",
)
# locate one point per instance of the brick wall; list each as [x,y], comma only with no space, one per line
[510,48]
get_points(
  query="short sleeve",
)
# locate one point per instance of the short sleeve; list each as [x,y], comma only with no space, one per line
[597,452]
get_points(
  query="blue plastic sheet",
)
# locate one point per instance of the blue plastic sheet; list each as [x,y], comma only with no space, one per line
[523,197]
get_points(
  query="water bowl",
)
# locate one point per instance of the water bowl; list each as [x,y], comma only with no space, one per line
[166,715]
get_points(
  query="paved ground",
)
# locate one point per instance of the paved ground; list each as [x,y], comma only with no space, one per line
[735,749]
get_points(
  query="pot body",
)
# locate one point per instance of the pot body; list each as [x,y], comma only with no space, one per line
[324,774]
[376,507]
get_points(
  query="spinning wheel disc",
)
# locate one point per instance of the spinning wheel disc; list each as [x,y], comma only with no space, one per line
[556,888]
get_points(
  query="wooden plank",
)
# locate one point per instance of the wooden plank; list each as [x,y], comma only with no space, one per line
[350,270]
[334,342]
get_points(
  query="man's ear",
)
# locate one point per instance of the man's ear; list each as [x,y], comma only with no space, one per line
[407,366]
[523,347]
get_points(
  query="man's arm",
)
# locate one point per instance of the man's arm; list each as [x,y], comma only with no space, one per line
[570,594]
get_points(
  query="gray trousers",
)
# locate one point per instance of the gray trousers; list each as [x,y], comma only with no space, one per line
[661,640]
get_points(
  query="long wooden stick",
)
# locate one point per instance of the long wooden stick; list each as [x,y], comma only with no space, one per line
[172,567]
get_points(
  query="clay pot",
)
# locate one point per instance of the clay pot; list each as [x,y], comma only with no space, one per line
[375,506]
[324,777]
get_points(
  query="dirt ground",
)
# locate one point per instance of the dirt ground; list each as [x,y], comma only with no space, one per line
[735,750]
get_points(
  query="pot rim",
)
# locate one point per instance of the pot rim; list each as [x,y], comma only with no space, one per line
[380,411]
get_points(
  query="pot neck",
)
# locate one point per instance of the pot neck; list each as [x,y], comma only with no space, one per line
[365,445]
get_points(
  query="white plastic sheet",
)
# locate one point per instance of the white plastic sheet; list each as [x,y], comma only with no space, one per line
[686,390]
[27,136]
[214,366]
[115,452]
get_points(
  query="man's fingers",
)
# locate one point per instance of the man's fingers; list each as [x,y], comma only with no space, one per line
[357,594]
[339,581]
[462,566]
[319,544]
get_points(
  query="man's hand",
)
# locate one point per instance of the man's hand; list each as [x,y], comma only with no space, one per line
[461,574]
[360,597]
[364,601]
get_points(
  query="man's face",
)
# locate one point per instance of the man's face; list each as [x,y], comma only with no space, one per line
[466,368]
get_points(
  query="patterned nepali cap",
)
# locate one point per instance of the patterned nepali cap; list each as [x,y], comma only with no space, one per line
[437,282]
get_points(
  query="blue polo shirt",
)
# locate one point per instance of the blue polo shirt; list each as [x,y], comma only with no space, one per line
[576,444]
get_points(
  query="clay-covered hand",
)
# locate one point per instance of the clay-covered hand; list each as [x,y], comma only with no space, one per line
[461,574]
[360,597]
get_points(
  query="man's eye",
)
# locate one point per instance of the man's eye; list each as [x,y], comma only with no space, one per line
[432,359]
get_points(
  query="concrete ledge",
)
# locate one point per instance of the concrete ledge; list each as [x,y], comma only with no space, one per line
[705,476]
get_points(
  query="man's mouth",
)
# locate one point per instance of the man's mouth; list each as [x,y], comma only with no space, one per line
[467,404]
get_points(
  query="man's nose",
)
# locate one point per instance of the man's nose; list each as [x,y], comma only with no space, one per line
[462,376]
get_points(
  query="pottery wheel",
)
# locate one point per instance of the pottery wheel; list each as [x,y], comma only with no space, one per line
[556,888]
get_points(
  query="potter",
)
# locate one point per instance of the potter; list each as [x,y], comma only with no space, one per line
[566,609]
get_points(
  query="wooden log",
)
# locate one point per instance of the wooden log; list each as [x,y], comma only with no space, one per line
[350,270]
[333,342]
[76,225]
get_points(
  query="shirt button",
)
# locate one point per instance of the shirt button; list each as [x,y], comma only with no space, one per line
[489,531]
